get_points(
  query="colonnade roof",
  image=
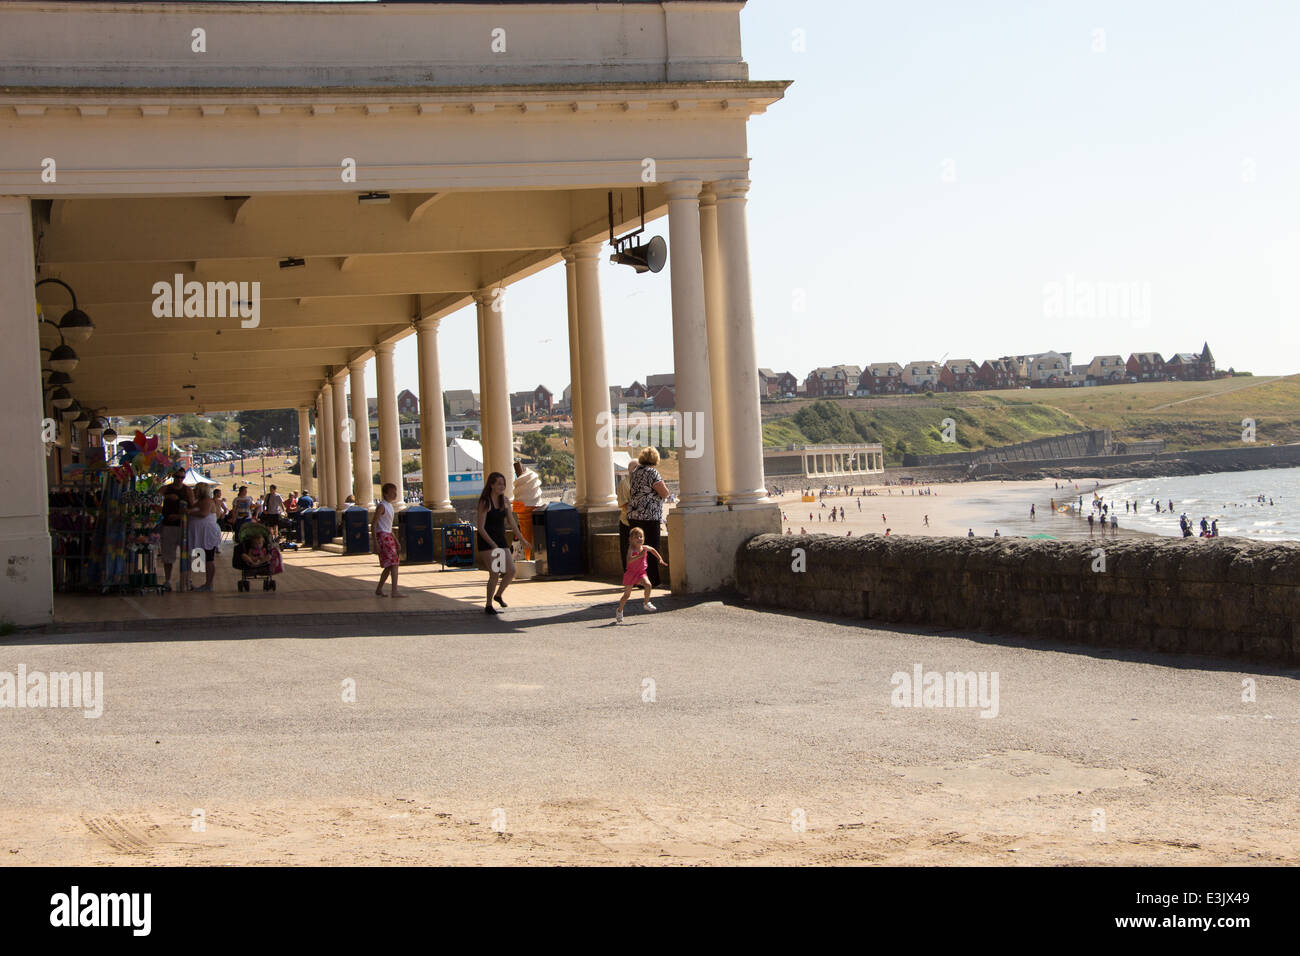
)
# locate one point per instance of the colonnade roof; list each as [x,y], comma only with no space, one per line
[496,132]
[370,271]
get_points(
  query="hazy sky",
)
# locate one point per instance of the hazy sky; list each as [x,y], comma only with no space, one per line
[972,179]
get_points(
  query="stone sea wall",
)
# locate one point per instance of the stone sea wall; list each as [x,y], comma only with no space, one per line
[1227,598]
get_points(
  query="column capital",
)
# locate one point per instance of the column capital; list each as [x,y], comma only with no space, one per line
[726,189]
[489,295]
[340,377]
[384,348]
[427,324]
[679,189]
[708,195]
[357,366]
[581,250]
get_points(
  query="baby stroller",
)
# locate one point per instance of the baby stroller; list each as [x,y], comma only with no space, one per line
[256,556]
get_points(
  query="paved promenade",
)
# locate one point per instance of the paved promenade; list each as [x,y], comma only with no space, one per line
[704,733]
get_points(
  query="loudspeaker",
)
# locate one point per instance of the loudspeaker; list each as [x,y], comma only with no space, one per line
[647,258]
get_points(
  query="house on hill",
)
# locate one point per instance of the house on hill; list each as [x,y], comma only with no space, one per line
[1107,369]
[998,373]
[832,380]
[777,384]
[921,376]
[957,375]
[881,378]
[1190,367]
[1145,367]
[407,402]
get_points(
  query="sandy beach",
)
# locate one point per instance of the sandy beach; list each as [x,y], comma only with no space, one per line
[984,507]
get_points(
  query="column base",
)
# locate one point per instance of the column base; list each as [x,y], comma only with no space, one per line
[27,585]
[749,500]
[702,544]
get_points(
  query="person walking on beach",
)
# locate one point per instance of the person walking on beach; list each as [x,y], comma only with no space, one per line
[1091,520]
[638,557]
[381,532]
[1114,524]
[1032,516]
[927,521]
[970,532]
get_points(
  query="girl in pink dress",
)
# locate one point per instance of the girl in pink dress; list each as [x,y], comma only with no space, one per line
[638,555]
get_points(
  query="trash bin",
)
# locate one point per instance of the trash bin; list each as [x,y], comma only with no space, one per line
[356,530]
[306,520]
[326,527]
[415,535]
[557,540]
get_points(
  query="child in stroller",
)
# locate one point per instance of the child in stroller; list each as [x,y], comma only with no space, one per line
[256,556]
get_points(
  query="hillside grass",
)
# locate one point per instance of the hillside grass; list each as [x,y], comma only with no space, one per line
[1187,415]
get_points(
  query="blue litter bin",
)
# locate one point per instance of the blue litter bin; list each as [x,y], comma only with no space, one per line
[356,530]
[557,540]
[326,527]
[306,520]
[415,535]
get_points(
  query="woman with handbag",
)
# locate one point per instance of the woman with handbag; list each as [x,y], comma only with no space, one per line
[645,510]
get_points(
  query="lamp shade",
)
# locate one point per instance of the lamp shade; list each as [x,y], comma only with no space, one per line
[76,326]
[63,359]
[110,436]
[60,398]
[58,379]
[71,411]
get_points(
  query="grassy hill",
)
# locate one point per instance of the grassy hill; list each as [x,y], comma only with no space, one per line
[1186,415]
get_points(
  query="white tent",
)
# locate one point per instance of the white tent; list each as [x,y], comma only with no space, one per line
[621,460]
[192,477]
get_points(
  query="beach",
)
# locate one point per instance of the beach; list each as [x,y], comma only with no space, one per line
[984,507]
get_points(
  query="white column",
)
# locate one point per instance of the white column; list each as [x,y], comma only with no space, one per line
[433,423]
[599,461]
[690,345]
[27,584]
[342,449]
[743,417]
[575,380]
[498,451]
[325,431]
[390,441]
[304,449]
[362,473]
[716,312]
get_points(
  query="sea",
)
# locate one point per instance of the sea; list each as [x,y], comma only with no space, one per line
[1232,498]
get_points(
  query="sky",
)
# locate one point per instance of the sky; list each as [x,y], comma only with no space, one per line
[987,177]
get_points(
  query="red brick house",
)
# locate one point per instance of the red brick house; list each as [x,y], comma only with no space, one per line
[957,375]
[543,400]
[407,403]
[665,397]
[997,373]
[1145,367]
[832,381]
[635,390]
[777,384]
[1190,367]
[881,378]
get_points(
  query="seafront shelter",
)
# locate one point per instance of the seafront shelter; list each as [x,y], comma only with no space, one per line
[816,462]
[251,201]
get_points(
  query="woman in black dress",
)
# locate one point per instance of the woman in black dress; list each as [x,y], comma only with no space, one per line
[645,505]
[493,553]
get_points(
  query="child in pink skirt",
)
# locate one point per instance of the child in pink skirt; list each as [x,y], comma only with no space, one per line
[638,555]
[385,540]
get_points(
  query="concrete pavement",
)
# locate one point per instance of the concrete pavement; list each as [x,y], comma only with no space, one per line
[703,733]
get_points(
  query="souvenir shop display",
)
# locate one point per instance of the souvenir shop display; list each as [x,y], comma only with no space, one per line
[76,530]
